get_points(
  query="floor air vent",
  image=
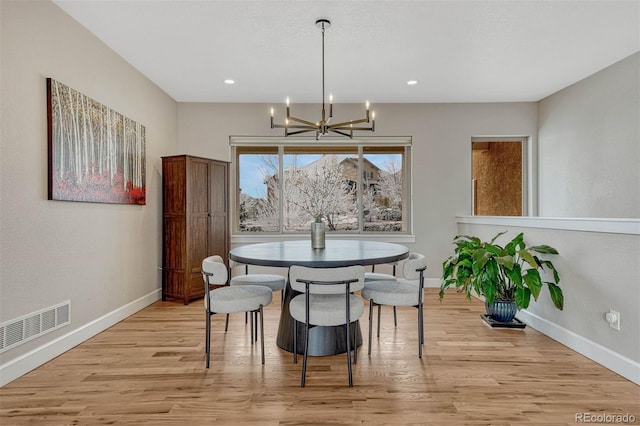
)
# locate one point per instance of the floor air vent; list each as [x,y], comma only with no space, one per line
[30,326]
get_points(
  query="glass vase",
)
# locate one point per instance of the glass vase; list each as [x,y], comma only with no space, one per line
[317,235]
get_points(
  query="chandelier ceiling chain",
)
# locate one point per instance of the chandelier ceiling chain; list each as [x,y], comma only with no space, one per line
[323,126]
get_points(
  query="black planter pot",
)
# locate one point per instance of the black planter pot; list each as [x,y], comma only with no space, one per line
[502,310]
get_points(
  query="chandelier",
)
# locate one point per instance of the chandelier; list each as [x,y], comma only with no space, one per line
[294,125]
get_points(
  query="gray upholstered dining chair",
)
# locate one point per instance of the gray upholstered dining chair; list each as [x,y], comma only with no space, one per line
[326,300]
[379,276]
[231,299]
[274,281]
[407,291]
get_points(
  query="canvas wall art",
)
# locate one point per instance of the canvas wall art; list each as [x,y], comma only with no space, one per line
[95,153]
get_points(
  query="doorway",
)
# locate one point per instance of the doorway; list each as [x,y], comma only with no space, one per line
[497,176]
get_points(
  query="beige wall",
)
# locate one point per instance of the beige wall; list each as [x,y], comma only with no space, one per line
[100,256]
[589,146]
[441,150]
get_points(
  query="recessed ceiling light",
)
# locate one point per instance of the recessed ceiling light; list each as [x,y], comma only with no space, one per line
[412,82]
[229,81]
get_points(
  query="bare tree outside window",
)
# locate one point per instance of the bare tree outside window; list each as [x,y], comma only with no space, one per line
[319,189]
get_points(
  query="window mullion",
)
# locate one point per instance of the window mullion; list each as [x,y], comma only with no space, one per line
[281,189]
[359,192]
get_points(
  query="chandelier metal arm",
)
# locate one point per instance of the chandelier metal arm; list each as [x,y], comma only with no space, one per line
[350,128]
[294,126]
[348,123]
[322,126]
[349,135]
[288,133]
[300,120]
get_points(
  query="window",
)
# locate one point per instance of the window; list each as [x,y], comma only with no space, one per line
[354,186]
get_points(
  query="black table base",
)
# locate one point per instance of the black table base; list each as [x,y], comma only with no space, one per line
[323,341]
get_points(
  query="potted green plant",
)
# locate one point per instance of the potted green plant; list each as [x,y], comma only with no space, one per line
[507,277]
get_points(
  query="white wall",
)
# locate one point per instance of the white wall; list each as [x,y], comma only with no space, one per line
[102,257]
[441,150]
[589,146]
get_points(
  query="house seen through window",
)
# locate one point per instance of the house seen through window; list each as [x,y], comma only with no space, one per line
[353,188]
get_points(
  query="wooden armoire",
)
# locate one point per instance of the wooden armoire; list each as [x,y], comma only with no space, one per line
[195,221]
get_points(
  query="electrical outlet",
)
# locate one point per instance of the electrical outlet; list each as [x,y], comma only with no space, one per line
[613,318]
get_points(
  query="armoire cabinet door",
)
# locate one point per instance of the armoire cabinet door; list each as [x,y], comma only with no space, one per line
[219,216]
[198,194]
[195,221]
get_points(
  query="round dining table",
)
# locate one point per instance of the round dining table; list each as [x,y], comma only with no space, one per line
[337,253]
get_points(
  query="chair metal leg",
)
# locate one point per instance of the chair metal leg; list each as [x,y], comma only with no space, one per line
[262,333]
[226,324]
[420,331]
[207,339]
[251,328]
[355,346]
[256,315]
[306,349]
[295,341]
[255,329]
[379,306]
[395,317]
[246,317]
[347,337]
[370,325]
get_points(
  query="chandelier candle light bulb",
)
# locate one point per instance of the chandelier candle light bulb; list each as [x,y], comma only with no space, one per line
[323,126]
[330,105]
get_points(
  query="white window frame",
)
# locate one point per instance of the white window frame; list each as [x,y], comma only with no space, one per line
[253,237]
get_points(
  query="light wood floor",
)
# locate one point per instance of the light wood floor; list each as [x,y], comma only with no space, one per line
[149,369]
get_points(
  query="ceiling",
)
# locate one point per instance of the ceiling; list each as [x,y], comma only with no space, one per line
[458,51]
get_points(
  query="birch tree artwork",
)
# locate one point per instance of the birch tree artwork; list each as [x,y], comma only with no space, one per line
[95,153]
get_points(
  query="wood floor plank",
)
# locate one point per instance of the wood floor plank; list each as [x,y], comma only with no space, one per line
[149,370]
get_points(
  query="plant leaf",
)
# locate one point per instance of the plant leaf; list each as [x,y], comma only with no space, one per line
[556,295]
[544,249]
[515,275]
[528,257]
[497,236]
[506,261]
[550,266]
[489,291]
[494,249]
[480,258]
[533,282]
[523,297]
[511,247]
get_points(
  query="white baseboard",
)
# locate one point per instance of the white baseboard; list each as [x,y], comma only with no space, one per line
[35,358]
[627,368]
